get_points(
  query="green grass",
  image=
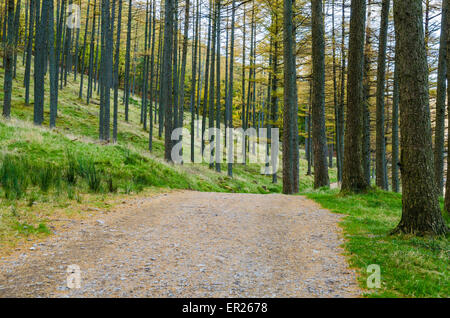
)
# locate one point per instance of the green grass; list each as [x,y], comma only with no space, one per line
[410,266]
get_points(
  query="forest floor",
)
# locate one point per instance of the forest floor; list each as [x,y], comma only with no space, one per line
[191,244]
[48,222]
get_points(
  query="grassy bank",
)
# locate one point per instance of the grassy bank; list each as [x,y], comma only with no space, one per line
[410,266]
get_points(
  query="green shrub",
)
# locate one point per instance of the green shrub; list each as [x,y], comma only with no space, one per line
[70,192]
[13,177]
[27,229]
[70,173]
[112,186]
[46,177]
[93,177]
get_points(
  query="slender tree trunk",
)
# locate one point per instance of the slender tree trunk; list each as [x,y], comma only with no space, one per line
[395,140]
[106,71]
[218,105]
[16,35]
[39,61]
[212,84]
[144,95]
[152,65]
[29,51]
[353,175]
[290,147]
[230,142]
[367,87]
[447,185]
[9,55]
[127,62]
[77,41]
[91,55]
[207,69]
[381,76]
[440,102]
[116,73]
[274,96]
[321,178]
[335,94]
[80,95]
[53,66]
[341,116]
[166,78]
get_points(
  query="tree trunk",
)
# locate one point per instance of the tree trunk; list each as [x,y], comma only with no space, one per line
[80,94]
[29,51]
[381,175]
[53,66]
[152,66]
[395,141]
[421,213]
[353,177]
[166,78]
[290,147]
[230,142]
[321,178]
[367,84]
[127,62]
[9,55]
[39,61]
[440,103]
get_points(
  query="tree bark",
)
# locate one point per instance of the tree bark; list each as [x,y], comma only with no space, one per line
[381,76]
[9,54]
[321,178]
[353,176]
[166,78]
[290,147]
[421,213]
[440,102]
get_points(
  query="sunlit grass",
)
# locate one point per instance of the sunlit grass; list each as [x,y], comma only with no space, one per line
[410,266]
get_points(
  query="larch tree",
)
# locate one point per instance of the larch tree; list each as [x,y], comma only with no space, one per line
[381,173]
[290,146]
[341,103]
[83,54]
[447,185]
[29,49]
[127,61]
[321,178]
[421,213]
[230,141]
[116,72]
[39,63]
[367,87]
[166,78]
[353,179]
[439,139]
[53,66]
[9,55]
[395,131]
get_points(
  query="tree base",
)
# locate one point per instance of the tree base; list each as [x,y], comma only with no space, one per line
[434,229]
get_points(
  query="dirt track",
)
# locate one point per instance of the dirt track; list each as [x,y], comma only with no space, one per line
[190,244]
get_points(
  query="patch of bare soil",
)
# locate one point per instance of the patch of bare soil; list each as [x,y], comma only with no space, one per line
[191,244]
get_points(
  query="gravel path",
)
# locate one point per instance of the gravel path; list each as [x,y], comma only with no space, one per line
[190,244]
